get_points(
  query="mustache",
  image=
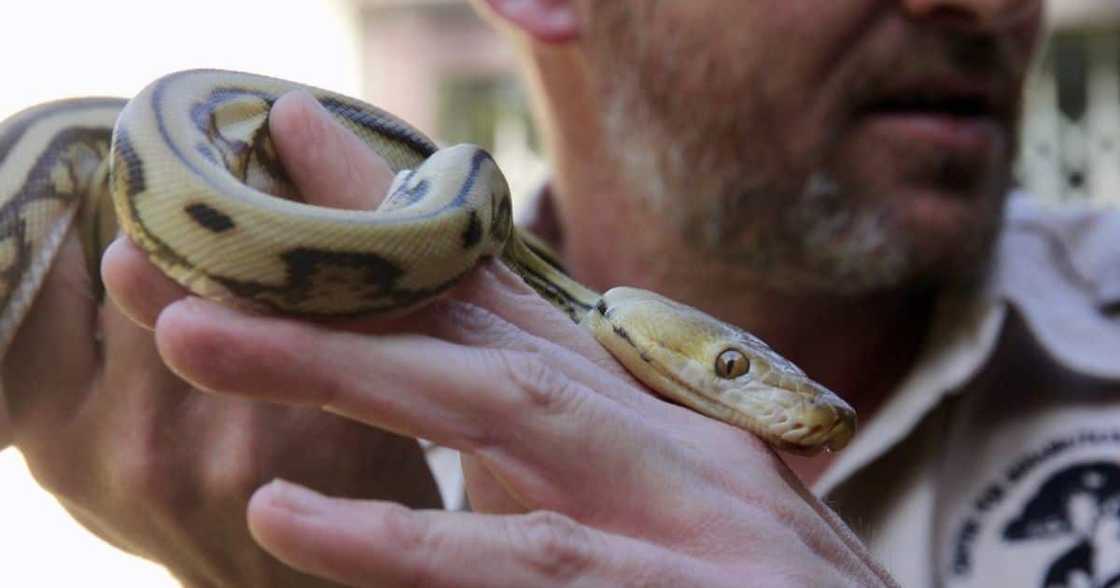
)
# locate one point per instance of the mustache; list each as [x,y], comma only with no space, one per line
[923,64]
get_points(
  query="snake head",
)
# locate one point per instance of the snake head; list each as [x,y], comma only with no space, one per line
[719,370]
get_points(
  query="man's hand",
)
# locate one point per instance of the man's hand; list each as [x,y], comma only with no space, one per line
[149,462]
[594,481]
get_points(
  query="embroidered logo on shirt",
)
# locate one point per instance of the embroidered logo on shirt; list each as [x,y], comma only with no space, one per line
[1055,514]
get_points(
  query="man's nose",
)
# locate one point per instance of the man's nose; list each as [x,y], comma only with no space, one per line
[975,13]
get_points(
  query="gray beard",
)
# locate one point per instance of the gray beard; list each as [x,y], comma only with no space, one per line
[813,237]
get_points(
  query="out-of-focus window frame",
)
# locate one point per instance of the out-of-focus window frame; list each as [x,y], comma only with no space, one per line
[1070,143]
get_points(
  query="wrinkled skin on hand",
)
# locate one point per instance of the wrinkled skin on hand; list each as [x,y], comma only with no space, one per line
[149,462]
[579,477]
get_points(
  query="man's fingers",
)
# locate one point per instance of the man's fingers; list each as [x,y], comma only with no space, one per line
[481,400]
[368,543]
[388,381]
[330,165]
[139,289]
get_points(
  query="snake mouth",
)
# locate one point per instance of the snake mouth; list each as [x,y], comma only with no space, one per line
[811,439]
[808,425]
[801,419]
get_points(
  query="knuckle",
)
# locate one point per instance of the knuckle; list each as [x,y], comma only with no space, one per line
[536,383]
[407,533]
[472,324]
[469,319]
[138,478]
[234,475]
[237,460]
[405,530]
[553,545]
[50,470]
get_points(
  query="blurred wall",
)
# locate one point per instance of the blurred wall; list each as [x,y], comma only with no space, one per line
[438,66]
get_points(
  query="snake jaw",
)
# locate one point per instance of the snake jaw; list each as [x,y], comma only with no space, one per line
[826,421]
[672,348]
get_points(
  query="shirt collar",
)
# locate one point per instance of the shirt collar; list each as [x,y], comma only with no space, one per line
[1059,269]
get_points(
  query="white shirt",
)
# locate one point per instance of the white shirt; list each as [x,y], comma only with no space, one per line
[997,461]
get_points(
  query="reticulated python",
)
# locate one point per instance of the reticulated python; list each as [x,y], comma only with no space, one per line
[190,169]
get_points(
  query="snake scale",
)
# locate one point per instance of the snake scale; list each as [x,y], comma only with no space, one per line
[189,172]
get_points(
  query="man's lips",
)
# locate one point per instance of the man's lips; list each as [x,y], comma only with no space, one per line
[967,135]
[949,114]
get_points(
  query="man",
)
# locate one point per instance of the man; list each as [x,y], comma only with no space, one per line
[843,200]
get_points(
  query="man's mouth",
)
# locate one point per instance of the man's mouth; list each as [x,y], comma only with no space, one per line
[949,114]
[931,104]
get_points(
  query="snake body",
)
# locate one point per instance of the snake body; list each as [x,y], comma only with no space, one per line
[193,176]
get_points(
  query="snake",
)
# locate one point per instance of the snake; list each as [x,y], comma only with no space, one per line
[188,171]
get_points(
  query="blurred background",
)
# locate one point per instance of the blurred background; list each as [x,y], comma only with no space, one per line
[436,64]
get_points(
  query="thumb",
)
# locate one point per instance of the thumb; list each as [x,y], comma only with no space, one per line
[330,165]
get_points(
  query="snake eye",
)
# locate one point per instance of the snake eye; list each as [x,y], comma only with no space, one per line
[731,364]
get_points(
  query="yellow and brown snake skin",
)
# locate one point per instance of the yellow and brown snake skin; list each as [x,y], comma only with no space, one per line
[193,178]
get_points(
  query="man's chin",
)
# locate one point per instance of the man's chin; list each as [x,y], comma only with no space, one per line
[950,230]
[934,158]
[947,207]
[939,215]
[915,237]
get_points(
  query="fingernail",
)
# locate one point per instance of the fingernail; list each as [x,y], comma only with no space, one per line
[294,498]
[315,123]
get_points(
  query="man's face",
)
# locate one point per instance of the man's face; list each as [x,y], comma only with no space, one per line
[845,146]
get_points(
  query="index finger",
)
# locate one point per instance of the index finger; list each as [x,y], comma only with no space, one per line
[368,543]
[512,409]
